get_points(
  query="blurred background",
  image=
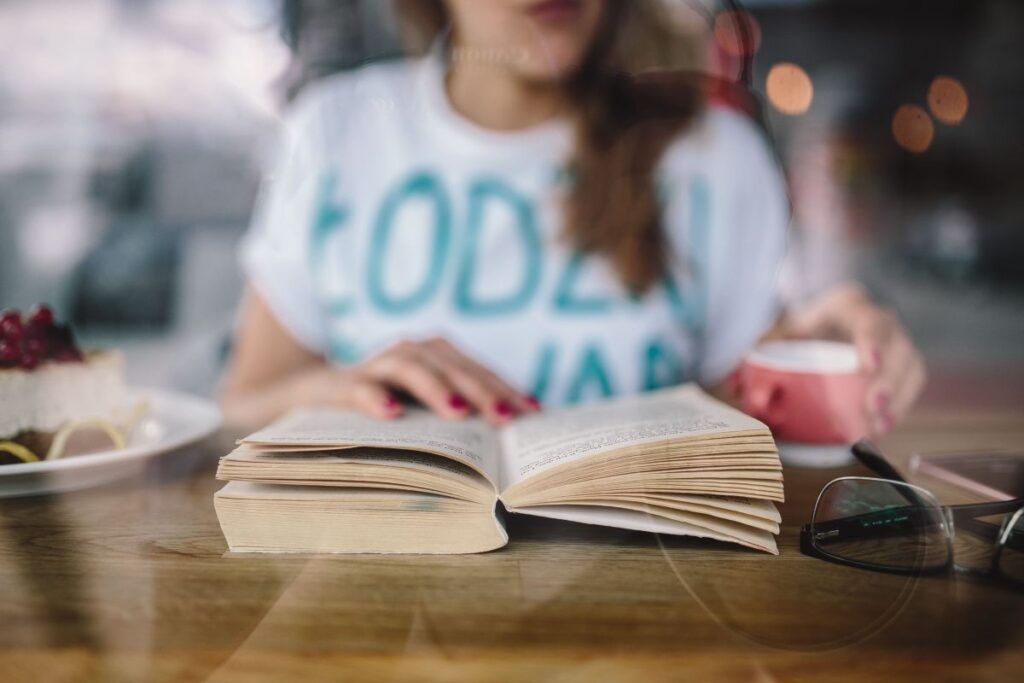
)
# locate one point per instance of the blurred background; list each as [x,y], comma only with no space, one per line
[133,133]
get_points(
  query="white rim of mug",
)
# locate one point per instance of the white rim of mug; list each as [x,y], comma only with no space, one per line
[815,365]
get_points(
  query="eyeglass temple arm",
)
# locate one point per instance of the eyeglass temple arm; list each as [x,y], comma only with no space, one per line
[876,462]
[867,524]
[966,516]
[963,516]
[869,456]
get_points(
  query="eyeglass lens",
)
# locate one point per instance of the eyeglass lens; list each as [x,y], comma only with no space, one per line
[882,524]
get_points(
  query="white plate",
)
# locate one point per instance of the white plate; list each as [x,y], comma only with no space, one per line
[173,420]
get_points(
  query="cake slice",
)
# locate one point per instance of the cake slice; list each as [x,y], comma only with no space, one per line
[56,400]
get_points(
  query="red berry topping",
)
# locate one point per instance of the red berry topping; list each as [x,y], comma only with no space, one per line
[28,342]
[9,353]
[33,346]
[41,316]
[11,326]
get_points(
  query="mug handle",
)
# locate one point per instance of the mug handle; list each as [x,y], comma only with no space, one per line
[765,403]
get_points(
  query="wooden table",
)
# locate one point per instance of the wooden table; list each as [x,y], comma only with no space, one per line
[130,583]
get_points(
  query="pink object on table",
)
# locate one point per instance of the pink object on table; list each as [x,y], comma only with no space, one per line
[806,391]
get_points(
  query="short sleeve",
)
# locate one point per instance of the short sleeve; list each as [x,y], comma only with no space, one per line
[275,252]
[745,211]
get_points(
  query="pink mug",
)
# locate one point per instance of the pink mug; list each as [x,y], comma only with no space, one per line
[806,391]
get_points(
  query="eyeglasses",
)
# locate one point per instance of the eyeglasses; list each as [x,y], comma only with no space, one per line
[890,525]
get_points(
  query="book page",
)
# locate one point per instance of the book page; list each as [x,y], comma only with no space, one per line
[356,455]
[470,441]
[536,443]
[358,467]
[641,521]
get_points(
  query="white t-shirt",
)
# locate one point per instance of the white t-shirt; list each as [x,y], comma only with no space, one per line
[388,216]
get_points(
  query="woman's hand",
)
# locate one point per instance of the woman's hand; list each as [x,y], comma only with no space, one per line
[894,365]
[270,373]
[433,372]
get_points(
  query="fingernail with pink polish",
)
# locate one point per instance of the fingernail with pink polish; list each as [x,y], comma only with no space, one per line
[390,403]
[457,402]
[503,409]
[532,401]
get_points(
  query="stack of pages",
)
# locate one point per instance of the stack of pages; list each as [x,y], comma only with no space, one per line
[674,461]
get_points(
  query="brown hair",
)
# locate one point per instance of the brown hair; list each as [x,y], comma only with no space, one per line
[632,96]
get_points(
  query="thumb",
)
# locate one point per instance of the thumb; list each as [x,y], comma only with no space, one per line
[801,325]
[869,351]
[371,398]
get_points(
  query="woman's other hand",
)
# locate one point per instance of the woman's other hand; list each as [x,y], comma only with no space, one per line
[893,364]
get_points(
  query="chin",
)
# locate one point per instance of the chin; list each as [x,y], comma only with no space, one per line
[548,64]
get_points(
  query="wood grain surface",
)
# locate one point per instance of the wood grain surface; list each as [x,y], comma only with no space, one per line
[130,582]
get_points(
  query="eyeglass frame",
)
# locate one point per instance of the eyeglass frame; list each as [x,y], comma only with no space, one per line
[953,516]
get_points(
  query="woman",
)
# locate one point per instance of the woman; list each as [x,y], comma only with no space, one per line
[527,214]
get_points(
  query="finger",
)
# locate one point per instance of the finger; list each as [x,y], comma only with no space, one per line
[412,372]
[879,394]
[480,397]
[478,393]
[471,391]
[492,396]
[372,398]
[869,341]
[499,389]
[899,386]
[879,397]
[878,406]
[882,395]
[907,391]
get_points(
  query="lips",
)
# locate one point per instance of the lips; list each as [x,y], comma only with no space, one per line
[555,10]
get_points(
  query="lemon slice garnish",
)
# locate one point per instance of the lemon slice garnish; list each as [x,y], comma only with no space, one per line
[60,440]
[18,451]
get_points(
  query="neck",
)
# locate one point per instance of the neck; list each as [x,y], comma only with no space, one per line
[495,98]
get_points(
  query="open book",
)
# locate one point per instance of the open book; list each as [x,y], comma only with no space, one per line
[673,461]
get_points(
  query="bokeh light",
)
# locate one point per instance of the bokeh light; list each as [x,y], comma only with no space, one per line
[790,89]
[912,128]
[947,99]
[737,33]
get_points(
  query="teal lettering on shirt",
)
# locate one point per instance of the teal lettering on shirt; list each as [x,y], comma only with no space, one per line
[425,186]
[567,300]
[343,350]
[592,374]
[684,312]
[328,218]
[563,176]
[545,367]
[689,306]
[661,366]
[481,193]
